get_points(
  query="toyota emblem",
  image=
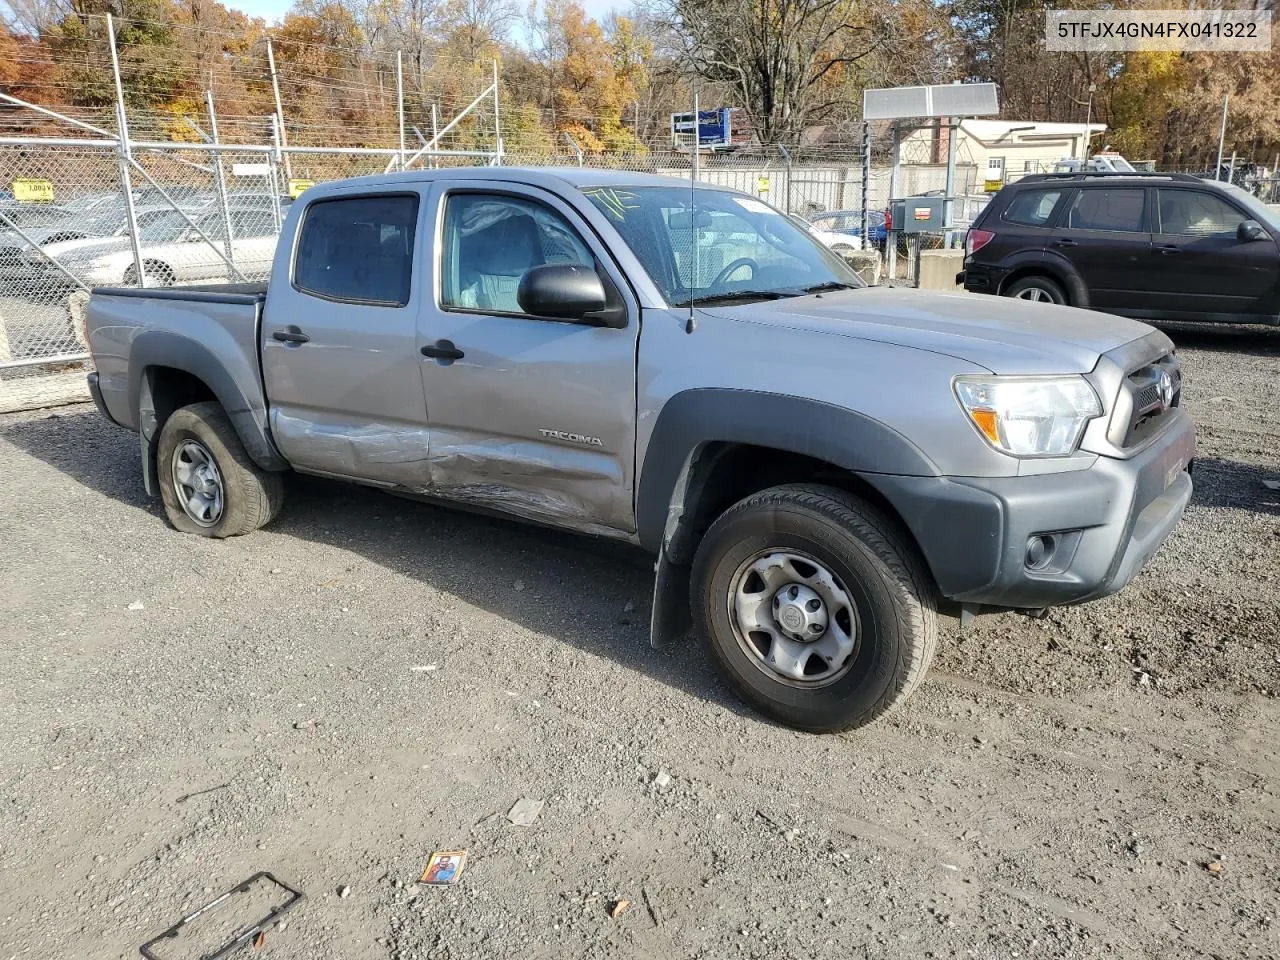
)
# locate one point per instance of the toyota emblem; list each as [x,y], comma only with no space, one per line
[1165,385]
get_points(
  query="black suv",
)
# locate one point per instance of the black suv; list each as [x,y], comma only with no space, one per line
[1153,246]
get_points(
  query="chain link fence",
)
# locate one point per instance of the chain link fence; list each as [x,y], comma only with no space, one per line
[194,213]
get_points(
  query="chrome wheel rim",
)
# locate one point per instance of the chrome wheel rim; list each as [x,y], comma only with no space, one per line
[198,483]
[1034,293]
[793,618]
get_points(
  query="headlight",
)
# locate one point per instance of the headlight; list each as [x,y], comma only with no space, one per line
[1029,416]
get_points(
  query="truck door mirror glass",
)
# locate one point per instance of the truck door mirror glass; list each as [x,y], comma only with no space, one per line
[562,291]
[1250,230]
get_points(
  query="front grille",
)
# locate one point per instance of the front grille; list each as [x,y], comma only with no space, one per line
[1151,398]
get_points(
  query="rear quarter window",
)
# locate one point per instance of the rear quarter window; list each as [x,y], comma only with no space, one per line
[1033,208]
[358,249]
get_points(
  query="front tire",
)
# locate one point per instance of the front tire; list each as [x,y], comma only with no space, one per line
[816,609]
[1037,289]
[208,484]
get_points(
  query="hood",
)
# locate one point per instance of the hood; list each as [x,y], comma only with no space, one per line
[1006,336]
[86,248]
[39,236]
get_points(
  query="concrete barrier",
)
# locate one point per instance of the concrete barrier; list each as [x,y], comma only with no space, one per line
[866,263]
[938,269]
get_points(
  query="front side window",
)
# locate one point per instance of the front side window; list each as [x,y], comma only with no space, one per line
[358,249]
[719,245]
[1033,207]
[1196,214]
[1119,211]
[491,241]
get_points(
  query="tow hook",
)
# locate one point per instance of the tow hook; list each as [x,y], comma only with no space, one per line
[1037,613]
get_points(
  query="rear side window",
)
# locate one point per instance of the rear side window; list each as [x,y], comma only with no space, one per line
[1120,211]
[358,250]
[1033,207]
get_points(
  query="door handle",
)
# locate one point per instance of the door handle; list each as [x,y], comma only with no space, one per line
[1168,249]
[291,334]
[442,350]
[1064,243]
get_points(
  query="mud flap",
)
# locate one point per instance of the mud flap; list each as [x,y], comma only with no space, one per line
[671,618]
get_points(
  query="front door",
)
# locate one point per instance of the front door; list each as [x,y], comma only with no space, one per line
[1103,234]
[530,416]
[1206,269]
[339,343]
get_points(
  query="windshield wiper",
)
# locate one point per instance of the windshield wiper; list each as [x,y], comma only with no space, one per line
[830,285]
[737,295]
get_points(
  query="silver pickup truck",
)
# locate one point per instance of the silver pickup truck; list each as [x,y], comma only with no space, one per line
[819,467]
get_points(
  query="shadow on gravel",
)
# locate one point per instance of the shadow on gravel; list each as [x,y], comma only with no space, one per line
[591,593]
[1228,483]
[1224,338]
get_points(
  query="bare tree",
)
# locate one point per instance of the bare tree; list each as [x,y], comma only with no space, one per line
[785,60]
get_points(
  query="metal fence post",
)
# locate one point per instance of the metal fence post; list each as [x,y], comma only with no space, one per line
[400,101]
[125,158]
[497,110]
[220,177]
[786,158]
[866,184]
[891,236]
[949,199]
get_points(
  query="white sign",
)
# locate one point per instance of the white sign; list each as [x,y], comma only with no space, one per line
[251,169]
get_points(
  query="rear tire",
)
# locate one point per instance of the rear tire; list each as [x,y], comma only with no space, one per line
[1037,289]
[861,626]
[208,484]
[157,274]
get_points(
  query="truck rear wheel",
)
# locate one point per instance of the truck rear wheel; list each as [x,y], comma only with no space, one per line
[208,484]
[818,612]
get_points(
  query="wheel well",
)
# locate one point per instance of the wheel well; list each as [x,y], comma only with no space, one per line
[1036,271]
[724,473]
[172,389]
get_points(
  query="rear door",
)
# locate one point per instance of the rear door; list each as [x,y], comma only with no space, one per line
[1103,234]
[532,416]
[1204,269]
[339,342]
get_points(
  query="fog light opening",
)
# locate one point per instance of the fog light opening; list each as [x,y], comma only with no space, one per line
[1040,551]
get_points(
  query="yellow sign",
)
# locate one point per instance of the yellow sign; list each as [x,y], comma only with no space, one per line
[762,185]
[297,186]
[28,190]
[992,186]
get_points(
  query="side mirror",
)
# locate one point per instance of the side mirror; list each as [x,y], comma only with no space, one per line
[1250,230]
[567,291]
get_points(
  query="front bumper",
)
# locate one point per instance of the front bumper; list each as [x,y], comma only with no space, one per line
[1106,522]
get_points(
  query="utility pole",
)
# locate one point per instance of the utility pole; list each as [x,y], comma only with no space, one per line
[1222,136]
[275,89]
[497,111]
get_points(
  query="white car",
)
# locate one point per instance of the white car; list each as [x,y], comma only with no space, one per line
[838,243]
[172,252]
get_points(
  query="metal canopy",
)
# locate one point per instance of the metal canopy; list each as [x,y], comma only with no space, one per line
[939,100]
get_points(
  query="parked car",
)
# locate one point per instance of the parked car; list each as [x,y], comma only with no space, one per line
[38,221]
[173,252]
[1152,246]
[849,223]
[816,465]
[838,243]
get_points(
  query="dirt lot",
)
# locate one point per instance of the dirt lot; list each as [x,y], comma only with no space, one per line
[369,680]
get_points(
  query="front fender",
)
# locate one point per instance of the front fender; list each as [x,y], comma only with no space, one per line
[694,419]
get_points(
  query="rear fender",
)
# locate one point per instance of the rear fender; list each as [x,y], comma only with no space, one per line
[155,350]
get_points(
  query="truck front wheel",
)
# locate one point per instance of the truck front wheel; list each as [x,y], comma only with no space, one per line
[816,609]
[208,484]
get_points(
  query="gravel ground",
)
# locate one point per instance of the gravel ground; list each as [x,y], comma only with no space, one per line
[371,679]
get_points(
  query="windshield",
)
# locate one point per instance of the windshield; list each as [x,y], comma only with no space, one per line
[107,225]
[165,229]
[32,216]
[744,249]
